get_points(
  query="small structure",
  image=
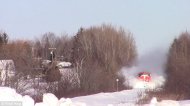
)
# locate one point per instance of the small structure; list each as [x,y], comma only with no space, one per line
[64,64]
[7,70]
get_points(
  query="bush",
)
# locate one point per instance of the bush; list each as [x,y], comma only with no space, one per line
[53,74]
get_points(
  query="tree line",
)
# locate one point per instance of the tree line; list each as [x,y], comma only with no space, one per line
[97,54]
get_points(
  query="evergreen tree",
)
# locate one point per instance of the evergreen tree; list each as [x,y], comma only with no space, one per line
[3,38]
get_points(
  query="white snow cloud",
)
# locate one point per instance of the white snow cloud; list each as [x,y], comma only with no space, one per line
[154,63]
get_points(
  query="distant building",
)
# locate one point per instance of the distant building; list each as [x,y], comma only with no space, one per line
[64,64]
[7,70]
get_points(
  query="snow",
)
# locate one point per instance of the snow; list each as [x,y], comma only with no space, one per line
[50,99]
[168,103]
[41,104]
[122,98]
[8,94]
[104,99]
[27,101]
[65,102]
[153,101]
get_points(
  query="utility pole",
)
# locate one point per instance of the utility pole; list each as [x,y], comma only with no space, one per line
[52,53]
[117,80]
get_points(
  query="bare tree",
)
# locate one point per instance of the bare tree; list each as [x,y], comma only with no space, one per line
[99,53]
[178,66]
[63,45]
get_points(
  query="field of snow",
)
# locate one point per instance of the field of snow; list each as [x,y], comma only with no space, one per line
[9,97]
[122,98]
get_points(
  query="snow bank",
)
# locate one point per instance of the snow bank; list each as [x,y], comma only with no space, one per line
[50,99]
[10,95]
[27,101]
[154,102]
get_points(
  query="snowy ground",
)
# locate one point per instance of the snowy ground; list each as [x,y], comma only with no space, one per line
[123,98]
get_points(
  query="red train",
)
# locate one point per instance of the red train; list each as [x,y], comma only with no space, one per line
[144,76]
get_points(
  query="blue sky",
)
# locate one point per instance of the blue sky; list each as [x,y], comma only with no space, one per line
[154,23]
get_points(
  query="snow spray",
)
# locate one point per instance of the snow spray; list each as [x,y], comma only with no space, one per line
[153,63]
